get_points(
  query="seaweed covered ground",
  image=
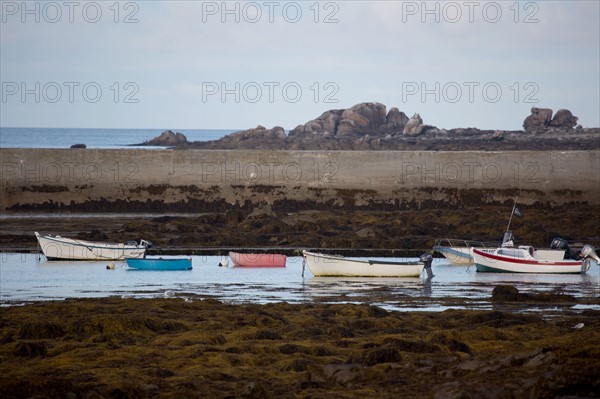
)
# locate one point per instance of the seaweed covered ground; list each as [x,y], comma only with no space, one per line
[175,348]
[394,232]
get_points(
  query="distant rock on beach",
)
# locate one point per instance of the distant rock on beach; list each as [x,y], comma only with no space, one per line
[258,137]
[541,118]
[362,118]
[369,126]
[167,139]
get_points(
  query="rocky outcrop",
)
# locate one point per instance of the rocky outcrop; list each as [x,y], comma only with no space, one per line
[564,119]
[260,133]
[168,139]
[326,124]
[414,126]
[367,126]
[395,120]
[541,118]
[351,122]
[258,137]
[373,113]
[360,119]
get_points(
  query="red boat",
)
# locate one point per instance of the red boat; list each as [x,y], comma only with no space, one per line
[257,260]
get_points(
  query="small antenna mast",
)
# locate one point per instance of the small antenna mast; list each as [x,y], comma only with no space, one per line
[511,214]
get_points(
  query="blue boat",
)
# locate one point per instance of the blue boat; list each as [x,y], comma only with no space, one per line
[160,264]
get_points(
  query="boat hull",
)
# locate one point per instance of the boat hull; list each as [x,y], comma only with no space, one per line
[321,265]
[456,255]
[464,255]
[159,264]
[56,247]
[257,260]
[490,262]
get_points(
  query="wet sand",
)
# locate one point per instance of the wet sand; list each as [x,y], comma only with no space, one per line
[200,348]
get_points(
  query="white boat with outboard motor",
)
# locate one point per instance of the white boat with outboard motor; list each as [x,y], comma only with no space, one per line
[461,252]
[507,258]
[526,259]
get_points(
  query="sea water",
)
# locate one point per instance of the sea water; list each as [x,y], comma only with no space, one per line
[28,278]
[93,138]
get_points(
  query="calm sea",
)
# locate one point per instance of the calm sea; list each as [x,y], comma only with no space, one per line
[21,137]
[27,278]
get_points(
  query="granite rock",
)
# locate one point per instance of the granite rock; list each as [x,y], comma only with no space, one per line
[564,119]
[539,119]
[168,139]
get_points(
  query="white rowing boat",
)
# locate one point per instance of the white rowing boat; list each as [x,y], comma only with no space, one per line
[321,265]
[57,247]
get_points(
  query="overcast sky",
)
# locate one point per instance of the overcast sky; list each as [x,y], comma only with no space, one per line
[237,64]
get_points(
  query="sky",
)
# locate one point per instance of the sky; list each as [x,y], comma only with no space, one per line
[238,64]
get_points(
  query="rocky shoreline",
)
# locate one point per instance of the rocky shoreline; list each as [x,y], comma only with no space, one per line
[369,126]
[197,348]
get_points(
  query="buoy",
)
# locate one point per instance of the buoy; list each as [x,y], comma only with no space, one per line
[224,262]
[110,266]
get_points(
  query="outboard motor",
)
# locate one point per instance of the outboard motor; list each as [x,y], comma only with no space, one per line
[589,251]
[428,259]
[147,244]
[559,243]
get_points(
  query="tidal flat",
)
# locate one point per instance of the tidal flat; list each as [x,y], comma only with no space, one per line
[198,348]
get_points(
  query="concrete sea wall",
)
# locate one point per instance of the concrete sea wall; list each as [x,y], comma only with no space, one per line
[131,180]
